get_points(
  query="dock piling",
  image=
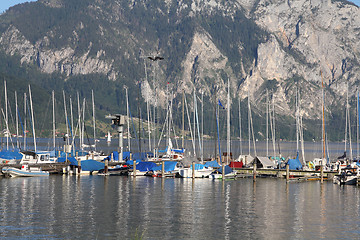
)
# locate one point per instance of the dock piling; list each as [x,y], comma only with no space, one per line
[287,172]
[321,172]
[106,169]
[162,169]
[223,171]
[254,172]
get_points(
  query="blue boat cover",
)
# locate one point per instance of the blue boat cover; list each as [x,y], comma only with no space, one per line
[86,165]
[92,165]
[145,166]
[9,155]
[294,164]
[212,164]
[227,169]
[131,162]
[169,166]
[198,166]
[178,150]
[126,156]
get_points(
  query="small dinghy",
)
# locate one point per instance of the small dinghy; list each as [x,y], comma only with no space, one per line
[25,171]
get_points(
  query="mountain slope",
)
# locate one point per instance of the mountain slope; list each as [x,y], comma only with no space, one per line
[257,44]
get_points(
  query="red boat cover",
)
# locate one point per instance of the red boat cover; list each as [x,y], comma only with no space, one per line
[236,164]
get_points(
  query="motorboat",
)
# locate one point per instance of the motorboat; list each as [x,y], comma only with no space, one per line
[228,173]
[347,176]
[25,171]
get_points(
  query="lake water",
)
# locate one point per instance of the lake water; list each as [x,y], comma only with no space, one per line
[118,207]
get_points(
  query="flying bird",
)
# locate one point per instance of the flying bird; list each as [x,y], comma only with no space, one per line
[155,58]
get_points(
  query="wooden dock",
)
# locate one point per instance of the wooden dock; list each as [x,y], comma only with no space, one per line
[281,173]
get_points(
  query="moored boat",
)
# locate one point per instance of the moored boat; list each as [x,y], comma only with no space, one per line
[228,173]
[25,171]
[347,176]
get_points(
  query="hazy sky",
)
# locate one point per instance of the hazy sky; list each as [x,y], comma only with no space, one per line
[5,4]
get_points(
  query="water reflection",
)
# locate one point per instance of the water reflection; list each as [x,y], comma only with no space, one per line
[120,207]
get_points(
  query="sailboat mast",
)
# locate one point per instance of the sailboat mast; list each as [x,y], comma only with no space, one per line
[183,120]
[323,117]
[6,118]
[71,123]
[25,121]
[228,124]
[79,120]
[83,123]
[297,120]
[240,145]
[194,119]
[252,131]
[17,121]
[348,113]
[32,118]
[93,108]
[66,120]
[198,127]
[128,118]
[249,126]
[149,125]
[267,122]
[273,124]
[53,107]
[202,126]
[357,124]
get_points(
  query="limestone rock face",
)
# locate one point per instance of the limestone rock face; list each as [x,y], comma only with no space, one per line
[304,38]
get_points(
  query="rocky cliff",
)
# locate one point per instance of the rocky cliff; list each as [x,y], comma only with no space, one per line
[259,45]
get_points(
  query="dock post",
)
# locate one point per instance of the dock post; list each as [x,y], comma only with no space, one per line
[223,171]
[112,157]
[79,163]
[193,170]
[106,169]
[287,172]
[321,172]
[134,168]
[254,171]
[162,168]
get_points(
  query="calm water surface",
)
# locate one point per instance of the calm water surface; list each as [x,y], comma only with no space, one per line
[116,207]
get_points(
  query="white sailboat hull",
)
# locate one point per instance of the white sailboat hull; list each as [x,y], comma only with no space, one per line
[203,173]
[15,172]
